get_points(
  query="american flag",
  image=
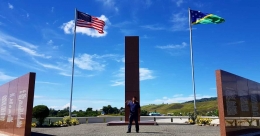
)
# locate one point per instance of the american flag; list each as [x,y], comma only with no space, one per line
[85,20]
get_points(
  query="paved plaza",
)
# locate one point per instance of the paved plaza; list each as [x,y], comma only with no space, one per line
[100,129]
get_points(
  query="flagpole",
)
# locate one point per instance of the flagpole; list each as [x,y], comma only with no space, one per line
[73,57]
[192,65]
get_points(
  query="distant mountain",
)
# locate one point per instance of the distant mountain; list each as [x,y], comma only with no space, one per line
[204,105]
[203,100]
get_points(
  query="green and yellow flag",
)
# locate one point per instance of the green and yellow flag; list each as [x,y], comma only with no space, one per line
[198,17]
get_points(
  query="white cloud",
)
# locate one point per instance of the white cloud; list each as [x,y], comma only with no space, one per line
[109,4]
[52,9]
[27,15]
[165,97]
[62,68]
[93,62]
[178,2]
[153,27]
[198,5]
[145,37]
[50,83]
[128,31]
[6,38]
[55,21]
[7,56]
[55,47]
[118,83]
[123,60]
[30,49]
[49,66]
[68,105]
[68,28]
[65,74]
[37,96]
[116,9]
[50,42]
[183,45]
[148,3]
[10,6]
[2,16]
[87,62]
[237,42]
[122,24]
[62,103]
[180,22]
[179,98]
[177,95]
[82,62]
[4,77]
[144,74]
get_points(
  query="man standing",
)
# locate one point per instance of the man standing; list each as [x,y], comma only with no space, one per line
[134,114]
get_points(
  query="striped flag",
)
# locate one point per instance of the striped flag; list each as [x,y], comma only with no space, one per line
[85,20]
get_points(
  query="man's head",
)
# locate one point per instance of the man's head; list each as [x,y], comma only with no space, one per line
[134,99]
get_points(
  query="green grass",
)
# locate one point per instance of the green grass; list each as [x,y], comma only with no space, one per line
[202,107]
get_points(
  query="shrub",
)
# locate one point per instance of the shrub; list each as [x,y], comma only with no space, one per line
[204,121]
[33,125]
[191,121]
[192,118]
[74,121]
[70,121]
[40,112]
[66,119]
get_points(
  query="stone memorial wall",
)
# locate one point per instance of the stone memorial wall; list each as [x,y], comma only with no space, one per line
[238,104]
[16,103]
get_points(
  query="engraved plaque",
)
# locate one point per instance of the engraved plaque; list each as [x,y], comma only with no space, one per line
[238,104]
[16,105]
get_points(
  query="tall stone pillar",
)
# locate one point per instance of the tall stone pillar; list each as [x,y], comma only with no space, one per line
[132,87]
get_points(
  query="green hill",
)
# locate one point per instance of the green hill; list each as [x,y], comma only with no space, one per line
[203,106]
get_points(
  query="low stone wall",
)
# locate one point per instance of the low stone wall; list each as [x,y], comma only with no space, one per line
[104,119]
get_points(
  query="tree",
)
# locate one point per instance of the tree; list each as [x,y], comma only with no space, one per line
[114,110]
[89,109]
[144,113]
[40,112]
[105,109]
[52,112]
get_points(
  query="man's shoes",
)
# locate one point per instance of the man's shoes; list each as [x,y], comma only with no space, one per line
[137,131]
[128,132]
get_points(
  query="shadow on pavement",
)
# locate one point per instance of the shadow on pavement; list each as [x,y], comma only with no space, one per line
[39,134]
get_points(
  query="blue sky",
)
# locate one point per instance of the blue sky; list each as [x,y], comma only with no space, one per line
[37,37]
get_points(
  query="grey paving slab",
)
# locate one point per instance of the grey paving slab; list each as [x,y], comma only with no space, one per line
[103,130]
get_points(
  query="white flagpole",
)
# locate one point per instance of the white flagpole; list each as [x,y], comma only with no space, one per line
[73,57]
[192,64]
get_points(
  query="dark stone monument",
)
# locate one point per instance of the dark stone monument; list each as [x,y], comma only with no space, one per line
[132,87]
[16,103]
[238,104]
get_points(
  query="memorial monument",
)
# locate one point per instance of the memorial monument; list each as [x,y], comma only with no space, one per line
[132,87]
[238,104]
[16,104]
[132,81]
